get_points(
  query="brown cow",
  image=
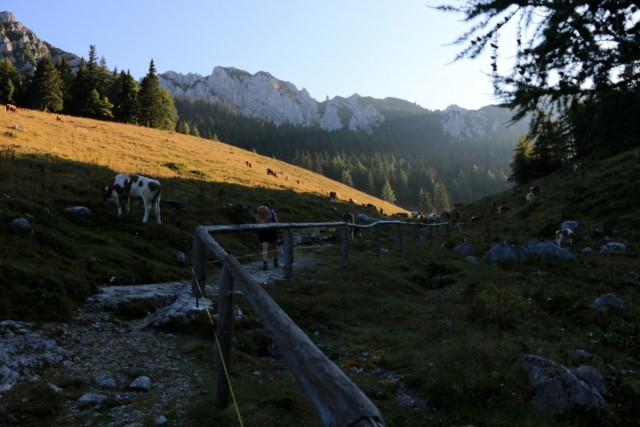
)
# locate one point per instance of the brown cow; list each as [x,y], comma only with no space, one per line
[12,108]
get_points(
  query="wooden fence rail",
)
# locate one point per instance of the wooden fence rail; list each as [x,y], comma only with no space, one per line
[336,398]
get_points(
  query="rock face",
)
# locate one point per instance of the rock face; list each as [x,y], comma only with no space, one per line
[15,39]
[261,95]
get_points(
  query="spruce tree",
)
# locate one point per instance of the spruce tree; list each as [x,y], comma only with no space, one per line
[388,195]
[521,165]
[46,87]
[10,80]
[126,109]
[426,202]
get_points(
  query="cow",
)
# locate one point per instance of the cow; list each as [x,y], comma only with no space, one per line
[531,196]
[60,119]
[12,108]
[535,189]
[564,235]
[271,172]
[352,232]
[126,185]
[334,195]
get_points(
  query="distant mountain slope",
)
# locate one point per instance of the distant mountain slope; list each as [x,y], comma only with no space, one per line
[261,95]
[24,48]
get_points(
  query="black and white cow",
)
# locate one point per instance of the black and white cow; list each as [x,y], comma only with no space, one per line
[126,185]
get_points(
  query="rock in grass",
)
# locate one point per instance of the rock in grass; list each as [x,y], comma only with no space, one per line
[141,383]
[558,389]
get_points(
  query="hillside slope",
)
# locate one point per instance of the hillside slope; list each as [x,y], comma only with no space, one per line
[49,165]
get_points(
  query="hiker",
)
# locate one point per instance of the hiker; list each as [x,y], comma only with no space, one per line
[268,237]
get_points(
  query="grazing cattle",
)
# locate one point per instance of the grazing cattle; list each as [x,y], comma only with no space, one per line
[12,108]
[271,172]
[352,232]
[535,189]
[416,214]
[60,119]
[564,235]
[433,216]
[298,181]
[372,206]
[125,186]
[248,163]
[352,201]
[334,195]
[530,197]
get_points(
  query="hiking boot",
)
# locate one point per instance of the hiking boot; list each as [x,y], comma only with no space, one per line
[275,263]
[264,265]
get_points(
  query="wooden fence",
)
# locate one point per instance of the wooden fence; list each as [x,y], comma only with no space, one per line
[337,399]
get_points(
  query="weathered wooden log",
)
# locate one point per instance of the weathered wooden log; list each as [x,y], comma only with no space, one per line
[222,359]
[336,398]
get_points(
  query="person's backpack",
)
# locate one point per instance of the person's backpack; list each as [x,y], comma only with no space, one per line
[264,215]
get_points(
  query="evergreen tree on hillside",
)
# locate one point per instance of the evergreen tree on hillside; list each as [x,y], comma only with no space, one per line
[425,203]
[156,105]
[346,178]
[388,195]
[10,81]
[46,87]
[99,107]
[441,198]
[90,77]
[126,105]
[521,166]
[548,146]
[66,77]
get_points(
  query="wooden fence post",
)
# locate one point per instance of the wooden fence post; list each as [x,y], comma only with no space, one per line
[222,359]
[345,245]
[376,240]
[199,265]
[287,237]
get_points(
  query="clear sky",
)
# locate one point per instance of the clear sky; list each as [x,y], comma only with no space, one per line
[378,48]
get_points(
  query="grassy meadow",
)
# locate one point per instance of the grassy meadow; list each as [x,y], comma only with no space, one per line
[47,166]
[423,321]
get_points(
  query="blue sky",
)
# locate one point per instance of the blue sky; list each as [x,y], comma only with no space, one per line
[378,48]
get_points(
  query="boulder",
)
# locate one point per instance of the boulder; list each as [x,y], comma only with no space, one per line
[558,389]
[80,210]
[500,252]
[607,301]
[533,249]
[613,247]
[464,248]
